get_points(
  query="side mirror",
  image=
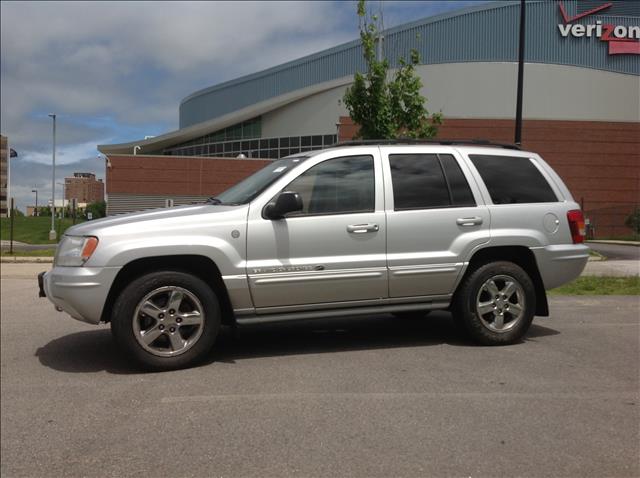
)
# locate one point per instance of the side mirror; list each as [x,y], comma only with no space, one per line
[287,201]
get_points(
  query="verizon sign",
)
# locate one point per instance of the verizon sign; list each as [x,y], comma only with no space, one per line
[622,39]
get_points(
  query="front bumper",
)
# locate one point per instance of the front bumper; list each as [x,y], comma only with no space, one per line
[559,264]
[81,292]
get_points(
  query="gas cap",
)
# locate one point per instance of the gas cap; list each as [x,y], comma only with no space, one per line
[551,223]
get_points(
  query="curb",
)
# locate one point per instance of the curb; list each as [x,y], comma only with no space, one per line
[613,241]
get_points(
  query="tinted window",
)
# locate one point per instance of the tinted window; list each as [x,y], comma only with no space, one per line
[460,191]
[337,186]
[512,180]
[418,181]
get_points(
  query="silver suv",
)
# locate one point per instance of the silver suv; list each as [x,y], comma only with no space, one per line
[358,229]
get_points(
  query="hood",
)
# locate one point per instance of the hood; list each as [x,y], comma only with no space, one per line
[148,219]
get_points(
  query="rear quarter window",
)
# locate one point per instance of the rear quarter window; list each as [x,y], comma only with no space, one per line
[512,179]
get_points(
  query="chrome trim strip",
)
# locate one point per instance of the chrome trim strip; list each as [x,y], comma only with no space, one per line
[319,277]
[234,277]
[76,284]
[422,271]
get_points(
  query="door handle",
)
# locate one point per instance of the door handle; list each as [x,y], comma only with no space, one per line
[362,228]
[469,221]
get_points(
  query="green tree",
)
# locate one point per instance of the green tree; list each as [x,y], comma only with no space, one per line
[633,221]
[384,108]
[97,209]
[44,211]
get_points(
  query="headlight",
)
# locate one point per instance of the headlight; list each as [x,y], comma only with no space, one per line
[75,250]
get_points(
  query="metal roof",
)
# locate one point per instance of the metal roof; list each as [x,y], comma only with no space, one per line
[484,33]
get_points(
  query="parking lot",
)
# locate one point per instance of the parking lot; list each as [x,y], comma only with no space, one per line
[375,396]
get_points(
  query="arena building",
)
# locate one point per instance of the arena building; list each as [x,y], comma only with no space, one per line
[581,105]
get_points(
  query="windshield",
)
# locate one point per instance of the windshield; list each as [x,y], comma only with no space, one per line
[249,188]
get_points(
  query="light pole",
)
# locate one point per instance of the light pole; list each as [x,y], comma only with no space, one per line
[35,211]
[518,131]
[52,232]
[63,198]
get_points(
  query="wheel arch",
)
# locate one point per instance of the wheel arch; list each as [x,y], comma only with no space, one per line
[200,266]
[520,255]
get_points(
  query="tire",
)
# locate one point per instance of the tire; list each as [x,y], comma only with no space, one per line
[481,309]
[166,320]
[411,314]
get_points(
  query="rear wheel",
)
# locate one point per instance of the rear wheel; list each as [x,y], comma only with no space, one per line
[495,304]
[166,320]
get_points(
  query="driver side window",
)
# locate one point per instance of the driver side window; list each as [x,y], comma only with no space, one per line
[336,186]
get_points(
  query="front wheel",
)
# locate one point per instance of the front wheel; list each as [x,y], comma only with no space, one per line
[166,320]
[495,304]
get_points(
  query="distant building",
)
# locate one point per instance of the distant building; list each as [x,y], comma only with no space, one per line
[60,204]
[84,187]
[4,160]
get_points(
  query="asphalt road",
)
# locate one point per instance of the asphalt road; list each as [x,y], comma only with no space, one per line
[367,397]
[616,251]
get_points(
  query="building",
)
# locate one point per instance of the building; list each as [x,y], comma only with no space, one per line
[581,105]
[84,187]
[4,175]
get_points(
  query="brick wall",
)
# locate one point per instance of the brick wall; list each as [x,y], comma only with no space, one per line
[176,175]
[598,161]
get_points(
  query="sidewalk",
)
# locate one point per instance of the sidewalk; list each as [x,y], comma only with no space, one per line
[612,268]
[613,241]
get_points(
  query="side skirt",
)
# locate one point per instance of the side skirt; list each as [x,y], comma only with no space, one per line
[343,312]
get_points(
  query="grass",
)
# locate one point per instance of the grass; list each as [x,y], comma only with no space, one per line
[593,285]
[40,253]
[33,230]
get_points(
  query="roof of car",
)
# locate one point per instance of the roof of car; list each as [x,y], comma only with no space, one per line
[413,142]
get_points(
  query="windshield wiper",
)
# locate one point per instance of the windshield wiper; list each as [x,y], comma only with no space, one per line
[213,200]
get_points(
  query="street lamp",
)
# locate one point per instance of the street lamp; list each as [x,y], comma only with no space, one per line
[35,211]
[52,232]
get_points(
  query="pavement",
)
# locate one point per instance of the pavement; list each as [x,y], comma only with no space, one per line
[366,397]
[616,251]
[612,268]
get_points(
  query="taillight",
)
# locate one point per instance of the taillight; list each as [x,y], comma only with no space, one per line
[576,225]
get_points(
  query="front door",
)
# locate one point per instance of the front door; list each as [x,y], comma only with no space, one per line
[433,221]
[333,251]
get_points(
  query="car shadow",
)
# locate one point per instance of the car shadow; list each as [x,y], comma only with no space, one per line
[95,350]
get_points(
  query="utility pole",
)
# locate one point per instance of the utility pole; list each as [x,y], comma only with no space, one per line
[35,211]
[52,232]
[11,228]
[518,132]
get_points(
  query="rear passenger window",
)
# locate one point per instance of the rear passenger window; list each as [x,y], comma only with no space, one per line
[513,180]
[422,181]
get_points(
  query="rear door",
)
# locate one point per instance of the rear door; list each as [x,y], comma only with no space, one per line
[435,218]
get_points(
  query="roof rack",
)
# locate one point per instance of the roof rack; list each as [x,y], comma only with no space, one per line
[446,142]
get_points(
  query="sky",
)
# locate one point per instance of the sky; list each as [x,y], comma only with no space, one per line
[115,72]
